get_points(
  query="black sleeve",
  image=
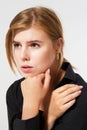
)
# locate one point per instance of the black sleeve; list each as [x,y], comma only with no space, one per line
[14,114]
[30,124]
[76,117]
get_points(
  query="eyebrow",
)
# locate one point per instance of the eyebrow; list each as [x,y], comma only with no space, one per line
[28,41]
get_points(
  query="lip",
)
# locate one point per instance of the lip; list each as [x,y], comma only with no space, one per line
[26,69]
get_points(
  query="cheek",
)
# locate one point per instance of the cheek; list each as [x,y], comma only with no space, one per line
[45,61]
[16,57]
[49,59]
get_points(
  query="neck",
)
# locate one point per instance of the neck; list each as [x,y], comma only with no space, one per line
[56,76]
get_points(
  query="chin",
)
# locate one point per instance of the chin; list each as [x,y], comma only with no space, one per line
[24,75]
[28,74]
[35,73]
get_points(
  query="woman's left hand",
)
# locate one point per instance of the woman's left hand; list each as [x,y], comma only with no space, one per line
[61,100]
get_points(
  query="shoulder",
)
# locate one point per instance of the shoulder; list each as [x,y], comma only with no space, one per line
[79,80]
[82,98]
[13,88]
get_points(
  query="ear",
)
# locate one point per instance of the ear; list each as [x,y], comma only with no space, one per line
[59,45]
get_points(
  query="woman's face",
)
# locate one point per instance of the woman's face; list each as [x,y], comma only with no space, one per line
[33,52]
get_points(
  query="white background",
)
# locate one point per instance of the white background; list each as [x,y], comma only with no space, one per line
[73,14]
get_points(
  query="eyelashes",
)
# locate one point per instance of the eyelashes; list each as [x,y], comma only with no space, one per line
[32,45]
[36,45]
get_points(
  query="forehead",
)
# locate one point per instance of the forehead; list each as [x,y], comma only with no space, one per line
[32,33]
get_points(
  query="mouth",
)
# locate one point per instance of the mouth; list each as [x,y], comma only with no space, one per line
[26,69]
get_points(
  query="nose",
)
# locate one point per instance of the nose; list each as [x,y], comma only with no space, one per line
[25,54]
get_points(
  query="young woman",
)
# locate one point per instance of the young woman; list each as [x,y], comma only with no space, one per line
[45,98]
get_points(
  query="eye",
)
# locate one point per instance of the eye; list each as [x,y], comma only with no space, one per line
[35,45]
[16,45]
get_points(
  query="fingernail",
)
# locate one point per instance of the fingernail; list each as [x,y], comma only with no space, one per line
[79,91]
[81,86]
[48,71]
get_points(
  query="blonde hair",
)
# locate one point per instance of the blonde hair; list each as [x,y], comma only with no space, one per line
[43,17]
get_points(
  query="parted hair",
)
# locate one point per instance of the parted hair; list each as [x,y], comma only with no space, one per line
[42,17]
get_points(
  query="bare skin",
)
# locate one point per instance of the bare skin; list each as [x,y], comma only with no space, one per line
[34,97]
[61,99]
[34,53]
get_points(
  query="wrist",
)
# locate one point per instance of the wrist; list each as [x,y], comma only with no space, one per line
[29,110]
[50,122]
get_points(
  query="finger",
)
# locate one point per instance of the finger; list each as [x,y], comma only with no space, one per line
[71,96]
[64,87]
[47,79]
[40,76]
[71,90]
[68,88]
[69,104]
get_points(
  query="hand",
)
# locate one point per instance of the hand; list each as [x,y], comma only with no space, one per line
[34,90]
[61,100]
